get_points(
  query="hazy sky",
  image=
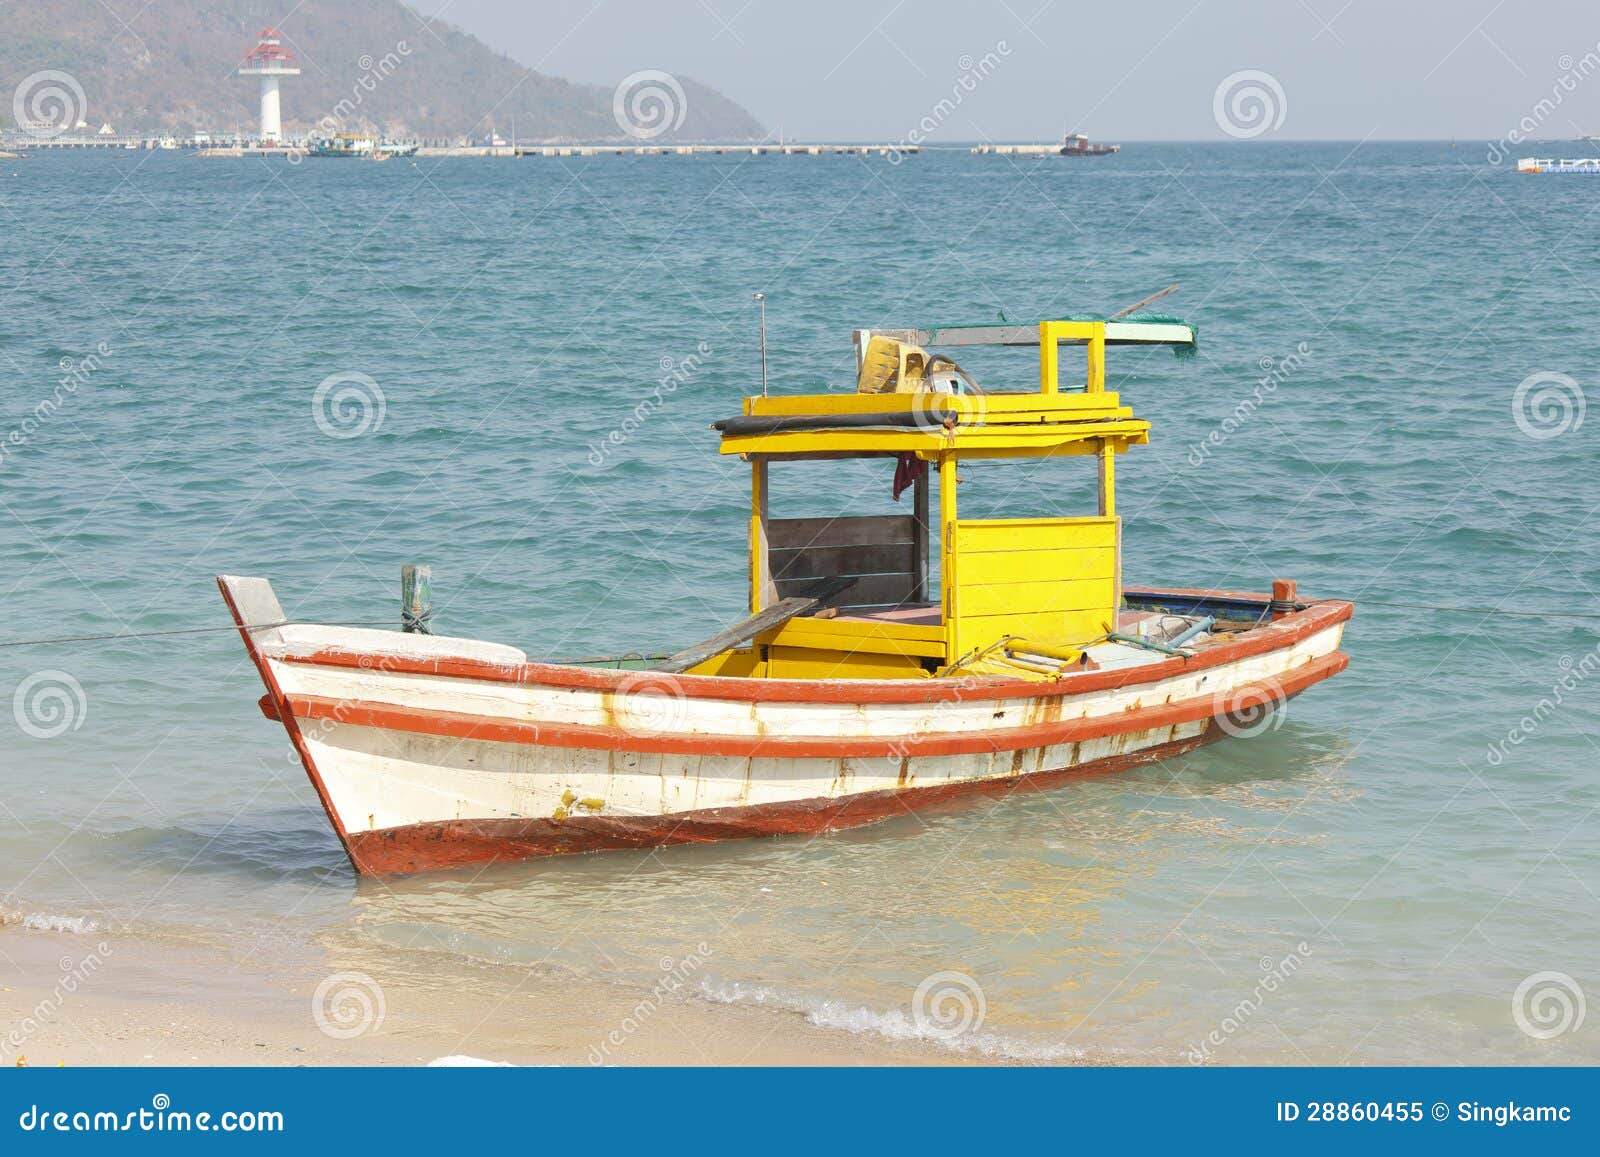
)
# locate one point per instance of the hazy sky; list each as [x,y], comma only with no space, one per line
[859,69]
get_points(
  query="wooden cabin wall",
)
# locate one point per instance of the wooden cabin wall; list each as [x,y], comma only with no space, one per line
[886,553]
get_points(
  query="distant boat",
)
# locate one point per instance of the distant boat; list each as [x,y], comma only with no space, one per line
[1072,145]
[1077,145]
[359,145]
[1565,165]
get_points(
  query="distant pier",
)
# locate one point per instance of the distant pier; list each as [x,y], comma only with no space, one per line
[757,150]
[214,147]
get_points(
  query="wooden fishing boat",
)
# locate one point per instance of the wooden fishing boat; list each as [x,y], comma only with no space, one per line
[888,661]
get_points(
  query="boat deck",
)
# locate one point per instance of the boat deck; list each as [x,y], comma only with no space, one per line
[1105,654]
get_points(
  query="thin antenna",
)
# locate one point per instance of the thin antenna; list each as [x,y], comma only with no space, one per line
[762,298]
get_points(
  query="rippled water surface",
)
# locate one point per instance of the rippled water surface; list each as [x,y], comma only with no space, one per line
[1370,881]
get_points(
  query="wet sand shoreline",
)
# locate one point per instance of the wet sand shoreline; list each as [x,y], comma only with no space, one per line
[90,999]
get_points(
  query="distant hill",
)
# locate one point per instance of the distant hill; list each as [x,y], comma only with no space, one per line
[367,64]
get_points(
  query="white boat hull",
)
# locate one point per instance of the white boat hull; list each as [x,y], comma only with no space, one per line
[429,752]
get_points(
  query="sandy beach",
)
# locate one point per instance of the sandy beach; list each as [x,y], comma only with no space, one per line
[81,999]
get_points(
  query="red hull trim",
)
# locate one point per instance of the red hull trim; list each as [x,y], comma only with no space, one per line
[459,843]
[489,729]
[1281,633]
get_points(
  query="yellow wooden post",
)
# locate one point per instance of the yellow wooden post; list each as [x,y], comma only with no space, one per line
[1092,333]
[947,557]
[1108,509]
[1096,380]
[1108,479]
[758,535]
[1049,358]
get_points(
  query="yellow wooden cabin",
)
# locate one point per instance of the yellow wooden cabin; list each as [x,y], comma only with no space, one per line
[1020,596]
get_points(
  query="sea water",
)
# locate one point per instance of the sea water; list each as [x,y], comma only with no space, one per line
[506,369]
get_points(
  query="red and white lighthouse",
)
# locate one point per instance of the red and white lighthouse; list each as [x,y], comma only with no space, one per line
[269,60]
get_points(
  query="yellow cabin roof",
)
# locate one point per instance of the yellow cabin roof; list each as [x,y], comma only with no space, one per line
[970,424]
[1015,596]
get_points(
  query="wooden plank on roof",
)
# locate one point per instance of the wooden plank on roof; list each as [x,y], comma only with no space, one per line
[1117,333]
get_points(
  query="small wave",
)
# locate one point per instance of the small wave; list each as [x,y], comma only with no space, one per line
[47,922]
[892,1025]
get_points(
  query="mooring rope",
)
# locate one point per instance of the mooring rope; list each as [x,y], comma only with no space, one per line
[181,631]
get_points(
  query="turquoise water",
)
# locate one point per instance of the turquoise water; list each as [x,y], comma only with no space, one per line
[513,314]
